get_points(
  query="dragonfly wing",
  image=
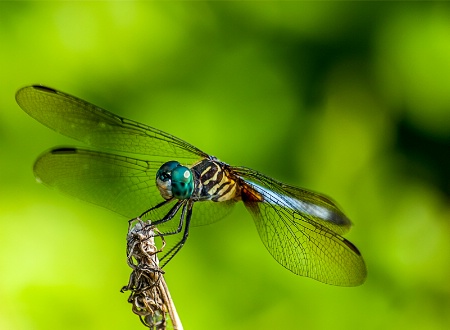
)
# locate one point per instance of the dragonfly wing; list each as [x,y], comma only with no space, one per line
[207,212]
[302,230]
[122,184]
[97,127]
[317,208]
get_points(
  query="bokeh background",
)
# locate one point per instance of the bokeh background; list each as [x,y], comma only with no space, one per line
[349,99]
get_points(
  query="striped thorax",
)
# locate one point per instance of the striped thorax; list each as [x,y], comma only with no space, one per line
[214,181]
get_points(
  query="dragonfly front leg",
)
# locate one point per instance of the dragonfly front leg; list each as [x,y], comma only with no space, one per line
[152,223]
[186,213]
[167,217]
[157,206]
[139,218]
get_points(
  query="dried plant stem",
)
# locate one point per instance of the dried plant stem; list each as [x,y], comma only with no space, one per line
[150,297]
[176,322]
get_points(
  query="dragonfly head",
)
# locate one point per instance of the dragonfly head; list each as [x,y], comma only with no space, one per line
[175,180]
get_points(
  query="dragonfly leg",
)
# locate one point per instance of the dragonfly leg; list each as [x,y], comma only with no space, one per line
[186,213]
[152,223]
[139,218]
[155,207]
[170,215]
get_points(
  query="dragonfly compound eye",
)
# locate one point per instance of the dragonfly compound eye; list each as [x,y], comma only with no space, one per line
[174,180]
[163,179]
[182,182]
[164,171]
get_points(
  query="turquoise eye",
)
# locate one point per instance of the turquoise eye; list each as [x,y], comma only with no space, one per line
[164,171]
[174,180]
[182,182]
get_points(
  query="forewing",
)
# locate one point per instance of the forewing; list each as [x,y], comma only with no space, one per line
[295,235]
[97,127]
[122,184]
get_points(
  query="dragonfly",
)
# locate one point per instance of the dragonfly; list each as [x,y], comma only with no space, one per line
[134,169]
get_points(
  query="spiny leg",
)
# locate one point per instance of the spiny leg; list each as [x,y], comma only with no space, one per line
[155,207]
[139,218]
[152,224]
[169,216]
[187,212]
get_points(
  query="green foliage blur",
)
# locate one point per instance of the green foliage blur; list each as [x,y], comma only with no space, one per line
[349,99]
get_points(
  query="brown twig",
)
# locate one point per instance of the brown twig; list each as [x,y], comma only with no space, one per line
[150,295]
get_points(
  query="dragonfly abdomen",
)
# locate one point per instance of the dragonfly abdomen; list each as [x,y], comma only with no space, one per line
[215,182]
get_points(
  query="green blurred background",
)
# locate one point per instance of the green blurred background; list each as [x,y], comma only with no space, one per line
[349,99]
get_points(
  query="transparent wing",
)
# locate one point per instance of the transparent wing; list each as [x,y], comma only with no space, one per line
[97,127]
[122,184]
[317,208]
[302,230]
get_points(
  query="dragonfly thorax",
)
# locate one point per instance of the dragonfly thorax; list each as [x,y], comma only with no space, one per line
[175,180]
[214,181]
